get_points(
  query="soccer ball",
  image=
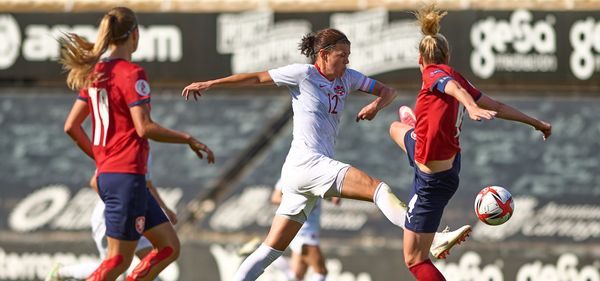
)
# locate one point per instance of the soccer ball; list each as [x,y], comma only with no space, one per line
[494,205]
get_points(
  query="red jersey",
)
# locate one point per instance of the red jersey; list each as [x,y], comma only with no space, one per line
[439,115]
[116,145]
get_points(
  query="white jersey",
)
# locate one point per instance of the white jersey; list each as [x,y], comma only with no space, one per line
[317,104]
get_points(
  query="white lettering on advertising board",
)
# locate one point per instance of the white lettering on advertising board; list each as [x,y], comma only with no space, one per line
[515,45]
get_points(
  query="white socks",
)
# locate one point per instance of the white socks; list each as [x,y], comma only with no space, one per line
[393,209]
[255,264]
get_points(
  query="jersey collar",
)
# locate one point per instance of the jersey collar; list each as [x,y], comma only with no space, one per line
[319,70]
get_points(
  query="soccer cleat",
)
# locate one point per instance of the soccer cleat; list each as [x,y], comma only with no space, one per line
[249,247]
[53,274]
[407,116]
[445,240]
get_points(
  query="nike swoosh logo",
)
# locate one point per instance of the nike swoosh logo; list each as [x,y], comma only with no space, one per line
[321,86]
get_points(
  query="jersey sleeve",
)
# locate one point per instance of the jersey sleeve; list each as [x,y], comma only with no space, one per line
[136,89]
[83,95]
[289,75]
[437,80]
[360,82]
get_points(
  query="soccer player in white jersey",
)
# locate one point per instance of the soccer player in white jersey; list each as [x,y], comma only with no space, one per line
[318,93]
[81,271]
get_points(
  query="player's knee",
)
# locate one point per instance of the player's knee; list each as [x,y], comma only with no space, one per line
[171,253]
[394,127]
[397,129]
[172,250]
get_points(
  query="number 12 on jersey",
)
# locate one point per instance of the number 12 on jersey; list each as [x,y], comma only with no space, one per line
[99,99]
[333,103]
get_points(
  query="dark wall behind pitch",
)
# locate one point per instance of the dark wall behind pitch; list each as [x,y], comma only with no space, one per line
[502,49]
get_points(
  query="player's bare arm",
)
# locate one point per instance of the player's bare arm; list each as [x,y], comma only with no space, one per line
[79,112]
[385,95]
[508,112]
[146,128]
[242,79]
[476,113]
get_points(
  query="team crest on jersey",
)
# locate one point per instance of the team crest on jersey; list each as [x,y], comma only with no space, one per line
[142,87]
[140,223]
[339,90]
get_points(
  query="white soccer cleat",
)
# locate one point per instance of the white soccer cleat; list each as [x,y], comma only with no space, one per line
[53,274]
[445,240]
[249,247]
[407,116]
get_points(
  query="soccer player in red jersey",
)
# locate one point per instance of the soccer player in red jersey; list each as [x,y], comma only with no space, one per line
[432,145]
[116,93]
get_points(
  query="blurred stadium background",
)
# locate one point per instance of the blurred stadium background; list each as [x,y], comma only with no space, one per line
[541,55]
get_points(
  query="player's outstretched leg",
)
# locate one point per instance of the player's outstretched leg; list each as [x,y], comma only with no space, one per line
[395,210]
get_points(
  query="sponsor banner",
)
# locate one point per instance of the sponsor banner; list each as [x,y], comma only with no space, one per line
[219,261]
[550,47]
[490,47]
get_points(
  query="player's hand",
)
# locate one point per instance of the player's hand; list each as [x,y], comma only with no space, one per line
[199,147]
[196,89]
[367,113]
[545,128]
[478,113]
[171,215]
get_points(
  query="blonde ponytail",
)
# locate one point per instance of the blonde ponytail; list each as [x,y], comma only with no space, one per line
[434,47]
[79,56]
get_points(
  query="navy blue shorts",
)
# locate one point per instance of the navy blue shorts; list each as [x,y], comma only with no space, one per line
[130,208]
[430,192]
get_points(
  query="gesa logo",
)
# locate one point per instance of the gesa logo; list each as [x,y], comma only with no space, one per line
[585,40]
[518,44]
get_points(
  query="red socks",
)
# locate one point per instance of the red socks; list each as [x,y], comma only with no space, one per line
[107,265]
[150,260]
[426,271]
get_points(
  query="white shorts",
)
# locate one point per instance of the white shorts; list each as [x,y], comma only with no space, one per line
[310,232]
[307,176]
[99,232]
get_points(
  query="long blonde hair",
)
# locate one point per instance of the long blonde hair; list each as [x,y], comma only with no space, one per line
[79,56]
[434,47]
